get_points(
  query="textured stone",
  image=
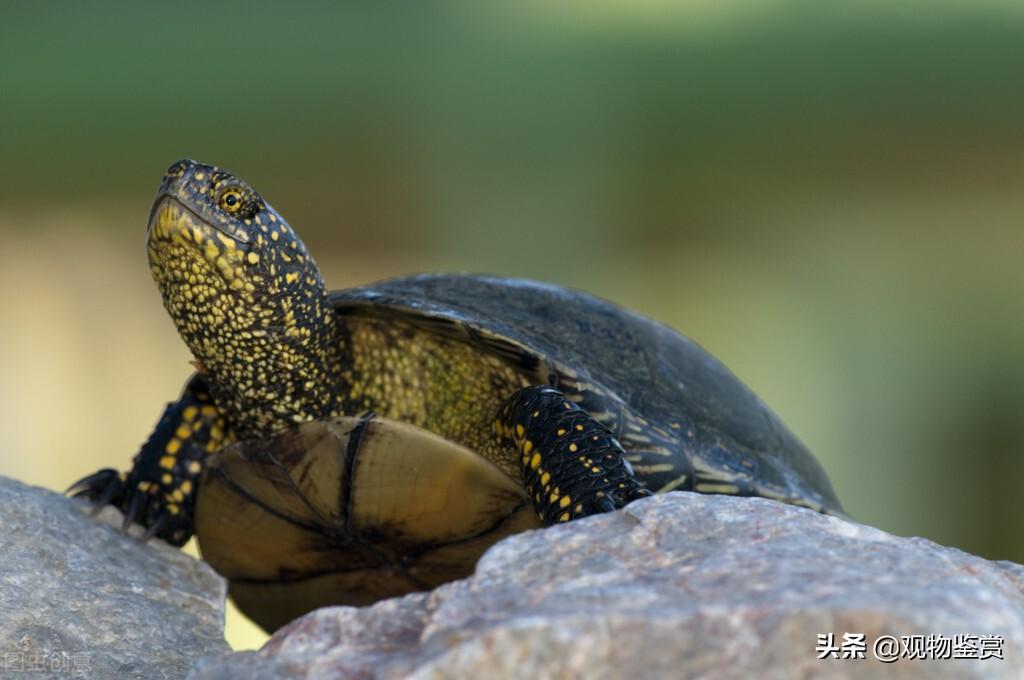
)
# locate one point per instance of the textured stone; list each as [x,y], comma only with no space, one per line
[79,599]
[681,585]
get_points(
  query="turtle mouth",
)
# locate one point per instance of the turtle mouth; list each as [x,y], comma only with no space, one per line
[178,240]
[169,215]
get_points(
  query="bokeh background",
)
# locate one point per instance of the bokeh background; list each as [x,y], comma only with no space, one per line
[827,196]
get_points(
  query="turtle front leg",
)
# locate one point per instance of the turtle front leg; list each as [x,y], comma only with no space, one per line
[572,465]
[159,491]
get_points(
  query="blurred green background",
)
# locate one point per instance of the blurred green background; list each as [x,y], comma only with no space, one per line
[827,196]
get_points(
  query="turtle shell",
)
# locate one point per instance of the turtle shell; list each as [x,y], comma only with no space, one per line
[349,511]
[689,423]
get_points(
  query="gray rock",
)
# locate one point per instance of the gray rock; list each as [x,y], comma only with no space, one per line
[79,599]
[681,585]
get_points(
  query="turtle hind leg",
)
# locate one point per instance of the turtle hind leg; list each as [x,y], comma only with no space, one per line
[572,465]
[159,491]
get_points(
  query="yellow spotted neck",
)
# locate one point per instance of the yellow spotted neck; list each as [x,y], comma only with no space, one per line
[255,315]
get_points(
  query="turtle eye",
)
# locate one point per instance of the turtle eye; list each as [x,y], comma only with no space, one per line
[231,200]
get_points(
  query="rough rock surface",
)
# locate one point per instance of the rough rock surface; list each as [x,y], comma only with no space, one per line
[79,599]
[681,585]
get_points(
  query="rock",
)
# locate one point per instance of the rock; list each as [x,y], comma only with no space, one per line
[681,585]
[79,599]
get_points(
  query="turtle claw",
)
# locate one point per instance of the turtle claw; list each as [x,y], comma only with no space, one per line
[87,486]
[102,488]
[104,500]
[136,505]
[153,507]
[155,528]
[169,527]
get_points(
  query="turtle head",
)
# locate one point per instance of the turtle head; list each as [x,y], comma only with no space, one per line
[245,295]
[218,215]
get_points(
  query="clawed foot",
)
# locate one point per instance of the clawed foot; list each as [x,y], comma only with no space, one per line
[105,487]
[164,513]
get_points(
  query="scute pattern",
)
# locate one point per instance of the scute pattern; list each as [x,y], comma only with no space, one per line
[680,407]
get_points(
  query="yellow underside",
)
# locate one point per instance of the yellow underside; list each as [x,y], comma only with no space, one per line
[292,532]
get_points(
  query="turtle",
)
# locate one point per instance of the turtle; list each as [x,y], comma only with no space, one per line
[341,447]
